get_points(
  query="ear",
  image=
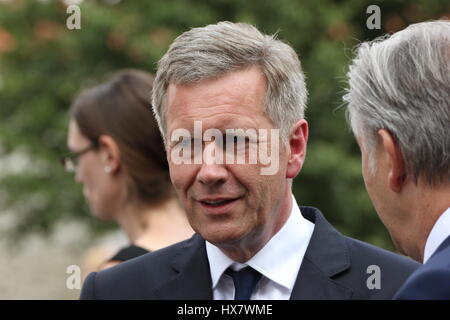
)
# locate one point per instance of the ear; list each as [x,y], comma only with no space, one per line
[297,143]
[395,161]
[110,153]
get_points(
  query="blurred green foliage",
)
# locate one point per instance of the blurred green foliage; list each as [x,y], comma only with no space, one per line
[43,65]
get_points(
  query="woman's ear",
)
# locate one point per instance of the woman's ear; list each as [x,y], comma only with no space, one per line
[298,140]
[110,154]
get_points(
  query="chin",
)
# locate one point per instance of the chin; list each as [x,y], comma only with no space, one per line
[100,214]
[216,237]
[223,237]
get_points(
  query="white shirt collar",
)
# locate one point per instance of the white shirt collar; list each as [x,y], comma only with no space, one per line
[279,260]
[439,232]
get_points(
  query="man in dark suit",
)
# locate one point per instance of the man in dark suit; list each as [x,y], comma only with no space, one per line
[399,110]
[223,96]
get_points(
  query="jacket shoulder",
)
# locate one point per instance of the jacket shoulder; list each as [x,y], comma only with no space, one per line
[383,272]
[430,281]
[364,252]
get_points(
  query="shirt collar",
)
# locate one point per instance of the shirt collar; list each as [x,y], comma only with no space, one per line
[439,232]
[279,260]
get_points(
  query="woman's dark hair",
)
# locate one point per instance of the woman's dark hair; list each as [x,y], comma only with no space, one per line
[121,108]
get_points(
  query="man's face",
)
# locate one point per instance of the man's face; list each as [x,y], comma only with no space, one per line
[228,203]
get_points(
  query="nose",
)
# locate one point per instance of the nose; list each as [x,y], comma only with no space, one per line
[211,173]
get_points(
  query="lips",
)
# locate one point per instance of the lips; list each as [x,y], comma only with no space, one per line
[218,205]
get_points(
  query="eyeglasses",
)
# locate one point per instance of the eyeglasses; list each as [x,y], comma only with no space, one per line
[70,161]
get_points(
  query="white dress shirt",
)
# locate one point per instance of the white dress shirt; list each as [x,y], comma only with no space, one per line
[439,232]
[278,261]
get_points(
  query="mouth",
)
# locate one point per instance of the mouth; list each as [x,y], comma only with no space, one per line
[218,205]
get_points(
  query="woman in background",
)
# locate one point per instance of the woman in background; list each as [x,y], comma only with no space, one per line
[117,154]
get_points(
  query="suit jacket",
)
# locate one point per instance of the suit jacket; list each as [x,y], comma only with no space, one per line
[430,281]
[334,267]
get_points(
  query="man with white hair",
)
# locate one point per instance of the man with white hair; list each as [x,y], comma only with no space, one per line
[213,86]
[399,110]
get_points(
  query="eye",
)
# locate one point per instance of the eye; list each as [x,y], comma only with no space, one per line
[237,142]
[185,142]
[182,142]
[230,142]
[184,146]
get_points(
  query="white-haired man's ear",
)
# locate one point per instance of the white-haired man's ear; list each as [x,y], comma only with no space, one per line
[391,153]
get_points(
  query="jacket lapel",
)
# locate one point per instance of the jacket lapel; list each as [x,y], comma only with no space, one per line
[326,256]
[192,276]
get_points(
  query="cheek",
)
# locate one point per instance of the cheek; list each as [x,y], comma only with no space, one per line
[93,180]
[370,178]
[260,188]
[88,172]
[373,187]
[370,187]
[181,175]
[363,164]
[367,175]
[82,174]
[103,195]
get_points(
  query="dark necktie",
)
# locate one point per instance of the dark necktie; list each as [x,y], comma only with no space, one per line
[245,281]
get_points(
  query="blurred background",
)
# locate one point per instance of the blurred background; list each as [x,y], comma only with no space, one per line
[45,225]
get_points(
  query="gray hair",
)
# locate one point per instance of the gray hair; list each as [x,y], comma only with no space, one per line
[214,50]
[401,83]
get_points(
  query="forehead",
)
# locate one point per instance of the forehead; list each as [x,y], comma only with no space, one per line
[75,138]
[235,97]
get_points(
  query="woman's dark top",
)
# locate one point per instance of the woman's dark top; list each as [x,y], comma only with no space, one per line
[128,253]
